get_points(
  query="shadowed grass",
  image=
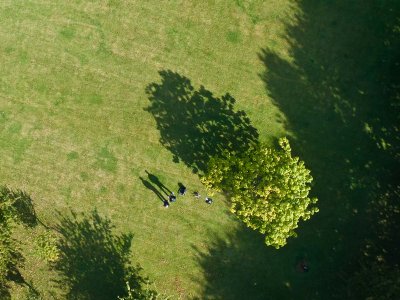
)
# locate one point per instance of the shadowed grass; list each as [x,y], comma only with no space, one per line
[94,263]
[340,95]
[194,125]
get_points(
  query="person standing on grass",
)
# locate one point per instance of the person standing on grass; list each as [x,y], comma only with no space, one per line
[209,200]
[182,189]
[172,197]
[166,204]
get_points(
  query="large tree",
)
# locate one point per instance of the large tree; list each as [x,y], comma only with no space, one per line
[269,189]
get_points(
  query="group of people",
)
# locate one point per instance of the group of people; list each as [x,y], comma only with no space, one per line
[182,192]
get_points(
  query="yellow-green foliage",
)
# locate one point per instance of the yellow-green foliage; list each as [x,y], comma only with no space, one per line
[140,294]
[8,257]
[46,246]
[269,189]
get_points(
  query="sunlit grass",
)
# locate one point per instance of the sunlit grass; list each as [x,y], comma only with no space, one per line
[74,132]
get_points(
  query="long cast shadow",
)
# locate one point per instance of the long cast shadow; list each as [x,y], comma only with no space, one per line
[194,124]
[154,179]
[152,188]
[94,262]
[340,95]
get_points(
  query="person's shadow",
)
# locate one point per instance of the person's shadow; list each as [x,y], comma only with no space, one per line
[154,179]
[152,188]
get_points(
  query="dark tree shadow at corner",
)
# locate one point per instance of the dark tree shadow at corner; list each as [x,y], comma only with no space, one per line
[94,262]
[194,124]
[240,266]
[340,94]
[16,207]
[21,204]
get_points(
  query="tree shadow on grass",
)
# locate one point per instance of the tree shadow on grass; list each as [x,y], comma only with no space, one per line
[240,266]
[194,124]
[16,207]
[340,95]
[94,262]
[21,204]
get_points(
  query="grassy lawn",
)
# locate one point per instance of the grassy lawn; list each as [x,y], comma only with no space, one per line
[75,133]
[80,126]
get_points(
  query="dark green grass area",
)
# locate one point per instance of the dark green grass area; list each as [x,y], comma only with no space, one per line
[109,105]
[340,96]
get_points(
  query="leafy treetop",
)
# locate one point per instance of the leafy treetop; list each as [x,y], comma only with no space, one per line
[269,189]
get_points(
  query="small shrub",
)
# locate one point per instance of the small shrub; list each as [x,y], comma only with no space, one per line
[46,247]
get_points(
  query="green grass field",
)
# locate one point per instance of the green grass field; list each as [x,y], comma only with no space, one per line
[77,130]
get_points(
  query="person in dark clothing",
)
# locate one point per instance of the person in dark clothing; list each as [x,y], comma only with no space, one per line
[182,190]
[304,266]
[166,204]
[172,197]
[209,200]
[196,195]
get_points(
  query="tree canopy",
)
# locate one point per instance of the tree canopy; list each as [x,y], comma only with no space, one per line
[269,189]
